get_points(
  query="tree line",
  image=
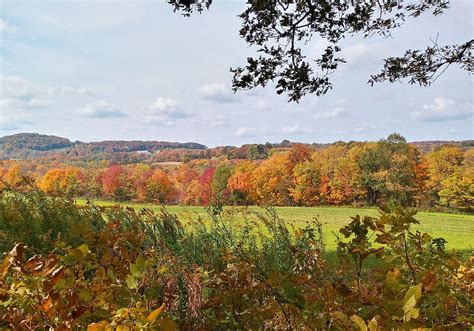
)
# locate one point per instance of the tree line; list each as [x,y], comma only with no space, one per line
[368,173]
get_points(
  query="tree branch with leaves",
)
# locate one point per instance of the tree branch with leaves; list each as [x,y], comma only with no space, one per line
[281,31]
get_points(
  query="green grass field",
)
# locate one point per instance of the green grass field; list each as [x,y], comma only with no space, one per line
[457,229]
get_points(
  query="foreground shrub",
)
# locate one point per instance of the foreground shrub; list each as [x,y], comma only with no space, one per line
[39,221]
[138,270]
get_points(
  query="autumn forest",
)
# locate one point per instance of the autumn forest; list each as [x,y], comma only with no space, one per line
[289,174]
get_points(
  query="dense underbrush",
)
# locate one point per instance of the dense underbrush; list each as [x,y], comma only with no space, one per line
[86,267]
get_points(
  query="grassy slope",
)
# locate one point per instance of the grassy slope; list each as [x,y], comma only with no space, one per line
[457,229]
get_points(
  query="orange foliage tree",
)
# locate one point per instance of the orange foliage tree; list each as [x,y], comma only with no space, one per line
[62,182]
[272,181]
[240,182]
[159,188]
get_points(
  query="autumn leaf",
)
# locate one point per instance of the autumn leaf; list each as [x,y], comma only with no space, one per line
[5,266]
[373,325]
[47,304]
[138,267]
[132,282]
[101,326]
[359,322]
[155,313]
[54,278]
[409,302]
[429,282]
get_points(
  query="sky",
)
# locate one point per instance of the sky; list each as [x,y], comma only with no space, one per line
[135,70]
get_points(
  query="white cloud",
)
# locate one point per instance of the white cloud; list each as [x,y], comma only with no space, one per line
[359,51]
[307,104]
[362,56]
[164,111]
[10,122]
[38,103]
[262,105]
[66,89]
[442,109]
[211,120]
[165,105]
[239,112]
[16,87]
[294,129]
[102,109]
[219,123]
[366,127]
[245,132]
[158,120]
[6,26]
[357,130]
[20,104]
[332,113]
[20,94]
[216,93]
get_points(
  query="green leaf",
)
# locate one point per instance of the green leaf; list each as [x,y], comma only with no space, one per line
[413,291]
[138,267]
[132,282]
[410,301]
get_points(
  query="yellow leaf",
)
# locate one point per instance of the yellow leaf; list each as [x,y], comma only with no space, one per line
[414,291]
[84,249]
[341,316]
[96,326]
[5,266]
[359,322]
[461,271]
[411,299]
[414,313]
[373,326]
[163,269]
[155,313]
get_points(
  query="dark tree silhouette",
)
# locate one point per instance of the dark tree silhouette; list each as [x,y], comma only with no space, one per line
[280,29]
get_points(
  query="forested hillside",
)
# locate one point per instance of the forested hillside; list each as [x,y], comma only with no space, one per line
[16,144]
[34,145]
[50,148]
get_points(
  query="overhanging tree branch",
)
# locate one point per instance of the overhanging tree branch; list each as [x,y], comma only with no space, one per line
[280,30]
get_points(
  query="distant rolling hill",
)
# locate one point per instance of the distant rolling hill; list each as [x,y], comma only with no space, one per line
[426,146]
[34,145]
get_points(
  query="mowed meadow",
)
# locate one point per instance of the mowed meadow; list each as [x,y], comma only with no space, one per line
[457,229]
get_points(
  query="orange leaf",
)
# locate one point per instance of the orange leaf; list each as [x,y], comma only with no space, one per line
[47,304]
[429,282]
[155,313]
